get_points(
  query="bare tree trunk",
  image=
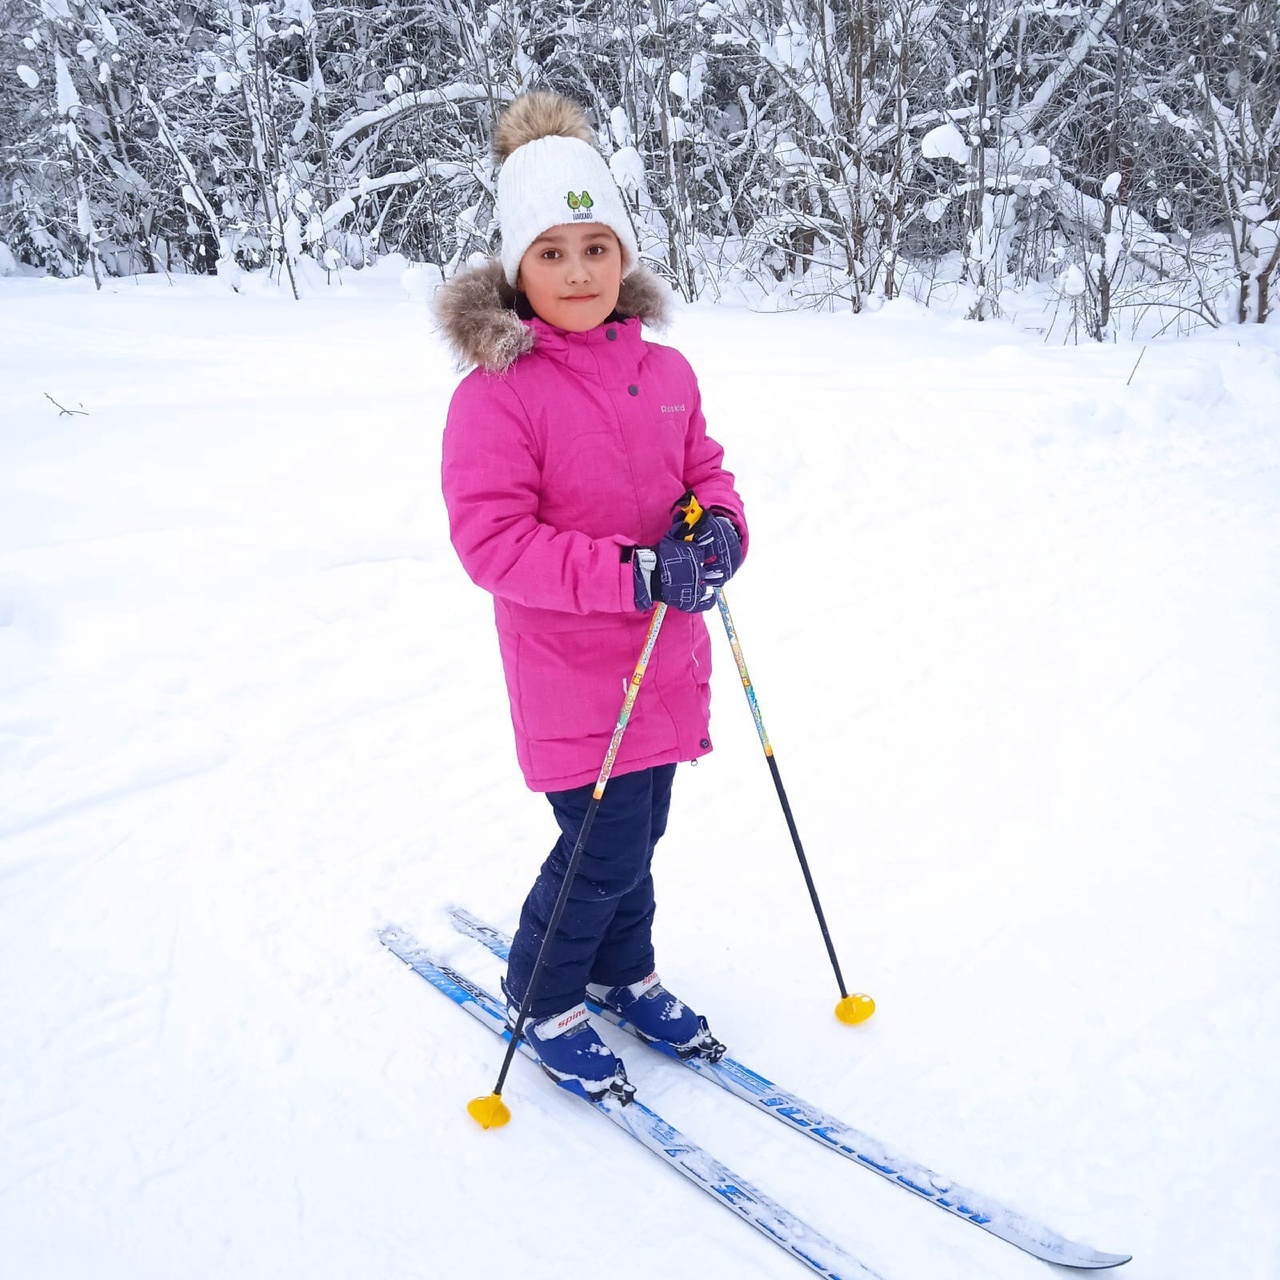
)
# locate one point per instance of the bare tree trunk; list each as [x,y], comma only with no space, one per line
[1111,195]
[977,230]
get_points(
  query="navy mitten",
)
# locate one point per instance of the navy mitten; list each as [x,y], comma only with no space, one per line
[691,563]
[717,537]
[672,572]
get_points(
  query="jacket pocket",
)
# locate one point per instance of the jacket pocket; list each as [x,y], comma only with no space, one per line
[567,682]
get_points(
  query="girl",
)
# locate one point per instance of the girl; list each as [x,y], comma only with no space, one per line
[564,452]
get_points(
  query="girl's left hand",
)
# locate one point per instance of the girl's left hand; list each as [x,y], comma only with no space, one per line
[717,536]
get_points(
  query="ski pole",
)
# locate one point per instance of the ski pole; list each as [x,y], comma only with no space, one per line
[490,1111]
[852,1008]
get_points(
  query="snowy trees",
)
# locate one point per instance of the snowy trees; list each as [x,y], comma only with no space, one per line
[1236,78]
[1126,152]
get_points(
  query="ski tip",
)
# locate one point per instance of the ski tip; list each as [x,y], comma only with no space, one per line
[1077,1257]
[394,938]
[1106,1260]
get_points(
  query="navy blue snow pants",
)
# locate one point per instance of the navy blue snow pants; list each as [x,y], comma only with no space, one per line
[604,935]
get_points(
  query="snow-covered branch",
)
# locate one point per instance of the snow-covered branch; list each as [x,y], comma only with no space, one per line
[1025,117]
[406,104]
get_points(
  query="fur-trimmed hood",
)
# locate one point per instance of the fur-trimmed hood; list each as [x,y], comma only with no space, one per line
[476,313]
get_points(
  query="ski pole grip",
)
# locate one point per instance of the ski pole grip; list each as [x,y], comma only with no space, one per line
[690,510]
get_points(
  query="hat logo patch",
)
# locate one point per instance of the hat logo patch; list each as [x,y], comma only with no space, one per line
[576,201]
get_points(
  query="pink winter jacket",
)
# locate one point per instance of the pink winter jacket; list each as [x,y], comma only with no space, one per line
[560,450]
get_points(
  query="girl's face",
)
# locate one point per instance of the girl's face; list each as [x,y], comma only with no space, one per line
[571,275]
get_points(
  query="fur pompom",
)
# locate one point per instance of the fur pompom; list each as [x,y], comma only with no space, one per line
[539,115]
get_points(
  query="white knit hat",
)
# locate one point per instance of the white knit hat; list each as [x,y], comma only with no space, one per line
[552,174]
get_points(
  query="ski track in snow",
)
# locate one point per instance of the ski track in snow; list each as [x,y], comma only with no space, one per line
[1013,624]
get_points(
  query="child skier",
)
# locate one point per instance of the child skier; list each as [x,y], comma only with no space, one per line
[564,453]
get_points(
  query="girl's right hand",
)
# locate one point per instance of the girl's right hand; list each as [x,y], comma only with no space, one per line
[674,573]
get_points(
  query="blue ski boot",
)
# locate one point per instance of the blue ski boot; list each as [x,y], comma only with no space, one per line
[573,1055]
[660,1019]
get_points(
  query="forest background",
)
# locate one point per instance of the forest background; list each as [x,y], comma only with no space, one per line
[1122,154]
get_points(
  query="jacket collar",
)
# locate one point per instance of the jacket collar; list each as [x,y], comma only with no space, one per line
[476,313]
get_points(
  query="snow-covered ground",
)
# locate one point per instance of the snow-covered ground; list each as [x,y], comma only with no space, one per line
[1013,613]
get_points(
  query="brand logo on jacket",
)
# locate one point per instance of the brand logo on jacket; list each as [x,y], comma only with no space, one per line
[673,408]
